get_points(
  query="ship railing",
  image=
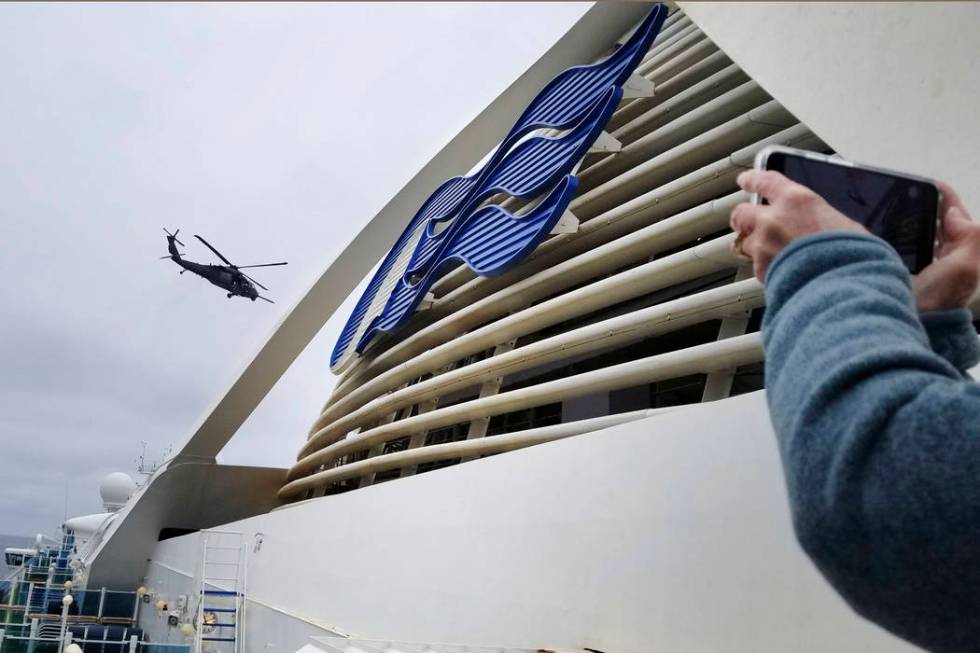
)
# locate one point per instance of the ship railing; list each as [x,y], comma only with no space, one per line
[10,642]
[25,601]
[104,606]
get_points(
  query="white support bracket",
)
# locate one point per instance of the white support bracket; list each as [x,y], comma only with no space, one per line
[567,224]
[718,384]
[638,86]
[427,301]
[606,142]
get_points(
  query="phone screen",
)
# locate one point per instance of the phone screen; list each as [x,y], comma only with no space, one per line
[900,210]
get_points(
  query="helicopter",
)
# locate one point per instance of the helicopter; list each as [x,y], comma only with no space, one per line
[228,276]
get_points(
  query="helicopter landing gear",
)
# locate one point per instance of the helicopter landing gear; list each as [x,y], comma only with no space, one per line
[253,299]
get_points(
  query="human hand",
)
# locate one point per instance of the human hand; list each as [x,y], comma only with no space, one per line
[793,211]
[952,279]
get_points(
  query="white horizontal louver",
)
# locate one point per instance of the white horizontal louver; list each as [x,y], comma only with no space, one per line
[650,218]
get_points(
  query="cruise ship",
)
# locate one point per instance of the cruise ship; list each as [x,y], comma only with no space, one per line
[549,430]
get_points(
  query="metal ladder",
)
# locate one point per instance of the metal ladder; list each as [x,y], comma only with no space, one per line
[220,619]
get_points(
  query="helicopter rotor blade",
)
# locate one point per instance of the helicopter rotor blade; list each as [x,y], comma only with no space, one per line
[217,253]
[261,265]
[266,299]
[254,281]
[174,236]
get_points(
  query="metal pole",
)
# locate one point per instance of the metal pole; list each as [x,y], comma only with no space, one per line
[101,603]
[47,591]
[27,605]
[136,608]
[65,602]
[32,636]
[240,617]
[132,644]
[200,603]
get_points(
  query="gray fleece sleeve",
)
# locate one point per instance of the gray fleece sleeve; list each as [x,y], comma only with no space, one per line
[952,336]
[879,437]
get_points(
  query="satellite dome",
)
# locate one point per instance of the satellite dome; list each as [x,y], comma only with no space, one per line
[116,488]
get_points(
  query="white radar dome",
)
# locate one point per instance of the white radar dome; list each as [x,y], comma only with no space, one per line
[116,488]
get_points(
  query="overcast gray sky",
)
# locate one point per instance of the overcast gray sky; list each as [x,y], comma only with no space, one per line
[275,131]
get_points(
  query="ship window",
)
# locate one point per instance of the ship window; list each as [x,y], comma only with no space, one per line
[437,464]
[521,420]
[399,444]
[387,475]
[454,433]
[755,320]
[473,358]
[342,486]
[748,378]
[680,391]
[677,392]
[669,392]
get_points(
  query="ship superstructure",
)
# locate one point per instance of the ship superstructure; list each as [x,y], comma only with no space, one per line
[549,430]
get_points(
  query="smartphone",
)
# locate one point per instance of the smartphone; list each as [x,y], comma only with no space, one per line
[901,209]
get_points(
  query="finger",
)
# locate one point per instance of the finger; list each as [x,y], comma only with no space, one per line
[759,268]
[763,249]
[957,227]
[737,252]
[744,216]
[753,244]
[955,222]
[951,199]
[767,183]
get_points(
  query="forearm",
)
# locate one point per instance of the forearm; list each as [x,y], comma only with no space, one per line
[878,436]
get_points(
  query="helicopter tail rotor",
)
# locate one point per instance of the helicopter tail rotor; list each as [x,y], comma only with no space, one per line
[174,236]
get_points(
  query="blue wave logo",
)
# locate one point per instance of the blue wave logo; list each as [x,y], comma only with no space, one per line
[454,226]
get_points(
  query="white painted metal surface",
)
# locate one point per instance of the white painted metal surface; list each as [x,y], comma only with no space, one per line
[890,83]
[670,533]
